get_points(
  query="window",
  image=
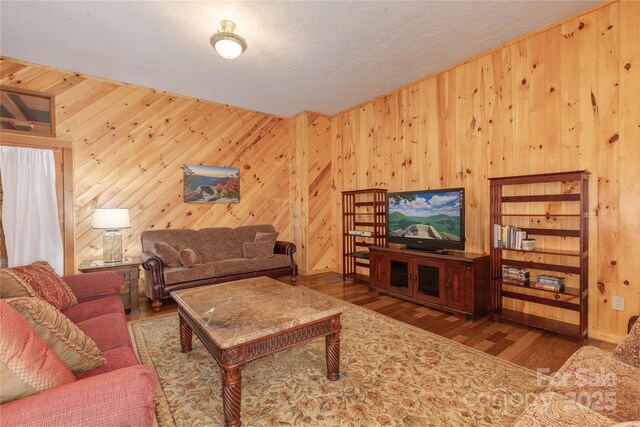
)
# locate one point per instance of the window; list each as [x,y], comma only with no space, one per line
[27,112]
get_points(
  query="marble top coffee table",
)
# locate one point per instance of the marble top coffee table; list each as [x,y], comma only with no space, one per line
[244,320]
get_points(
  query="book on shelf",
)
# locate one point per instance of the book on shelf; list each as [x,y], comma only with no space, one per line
[508,237]
[546,279]
[550,277]
[550,282]
[515,275]
[555,288]
[360,233]
[360,254]
[515,282]
[521,271]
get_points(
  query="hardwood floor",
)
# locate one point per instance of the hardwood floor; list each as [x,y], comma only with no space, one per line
[522,345]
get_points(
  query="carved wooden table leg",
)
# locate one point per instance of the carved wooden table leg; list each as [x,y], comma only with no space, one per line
[186,335]
[231,396]
[333,356]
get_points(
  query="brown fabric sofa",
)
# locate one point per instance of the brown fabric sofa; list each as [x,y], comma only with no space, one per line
[594,387]
[220,258]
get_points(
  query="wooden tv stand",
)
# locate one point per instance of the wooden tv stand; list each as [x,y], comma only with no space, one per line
[456,282]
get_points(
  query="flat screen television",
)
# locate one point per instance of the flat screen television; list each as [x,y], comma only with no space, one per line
[431,220]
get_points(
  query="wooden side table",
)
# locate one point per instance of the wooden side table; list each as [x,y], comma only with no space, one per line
[129,268]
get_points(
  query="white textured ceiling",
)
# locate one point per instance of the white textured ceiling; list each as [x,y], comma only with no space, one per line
[323,56]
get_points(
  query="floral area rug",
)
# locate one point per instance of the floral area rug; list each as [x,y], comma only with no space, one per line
[394,375]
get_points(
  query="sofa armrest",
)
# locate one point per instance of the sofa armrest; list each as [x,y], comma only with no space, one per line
[153,264]
[284,248]
[628,351]
[632,321]
[124,397]
[99,284]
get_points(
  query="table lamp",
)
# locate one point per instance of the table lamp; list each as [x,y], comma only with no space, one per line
[113,220]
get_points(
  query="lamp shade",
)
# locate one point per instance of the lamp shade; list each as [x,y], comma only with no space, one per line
[228,48]
[111,218]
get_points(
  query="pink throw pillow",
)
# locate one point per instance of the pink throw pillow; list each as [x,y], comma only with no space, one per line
[27,364]
[36,280]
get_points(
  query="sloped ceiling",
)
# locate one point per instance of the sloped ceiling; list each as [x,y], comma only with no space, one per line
[323,56]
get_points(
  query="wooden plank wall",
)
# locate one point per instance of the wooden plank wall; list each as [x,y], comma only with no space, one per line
[131,142]
[312,192]
[564,98]
[560,99]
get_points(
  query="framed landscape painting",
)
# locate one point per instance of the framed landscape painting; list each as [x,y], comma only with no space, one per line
[211,184]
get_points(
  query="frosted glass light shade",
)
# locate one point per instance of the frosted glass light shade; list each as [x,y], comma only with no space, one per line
[227,43]
[229,49]
[111,218]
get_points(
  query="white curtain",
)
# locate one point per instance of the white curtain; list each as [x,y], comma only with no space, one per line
[29,207]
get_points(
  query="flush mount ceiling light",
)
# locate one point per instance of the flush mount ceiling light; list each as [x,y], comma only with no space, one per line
[228,44]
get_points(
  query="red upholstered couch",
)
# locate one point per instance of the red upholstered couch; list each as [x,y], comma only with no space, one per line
[119,393]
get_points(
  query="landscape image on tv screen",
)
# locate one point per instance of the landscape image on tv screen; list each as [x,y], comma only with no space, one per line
[425,215]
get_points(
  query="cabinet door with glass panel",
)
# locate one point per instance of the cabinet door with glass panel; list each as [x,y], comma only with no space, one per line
[428,276]
[422,279]
[400,274]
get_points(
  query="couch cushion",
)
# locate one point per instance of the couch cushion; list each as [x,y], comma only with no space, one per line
[247,233]
[629,349]
[36,280]
[613,387]
[182,274]
[117,358]
[178,238]
[266,237]
[224,268]
[267,263]
[233,266]
[258,249]
[168,254]
[209,244]
[98,284]
[77,350]
[215,244]
[27,364]
[109,331]
[552,409]
[94,308]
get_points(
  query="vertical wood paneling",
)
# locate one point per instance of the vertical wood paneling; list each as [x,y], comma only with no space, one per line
[337,165]
[322,254]
[131,142]
[606,101]
[312,193]
[629,154]
[565,98]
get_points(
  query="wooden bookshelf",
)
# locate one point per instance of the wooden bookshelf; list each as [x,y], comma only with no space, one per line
[362,211]
[545,200]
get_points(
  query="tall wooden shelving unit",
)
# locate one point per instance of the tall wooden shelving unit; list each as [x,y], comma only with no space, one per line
[365,211]
[554,209]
